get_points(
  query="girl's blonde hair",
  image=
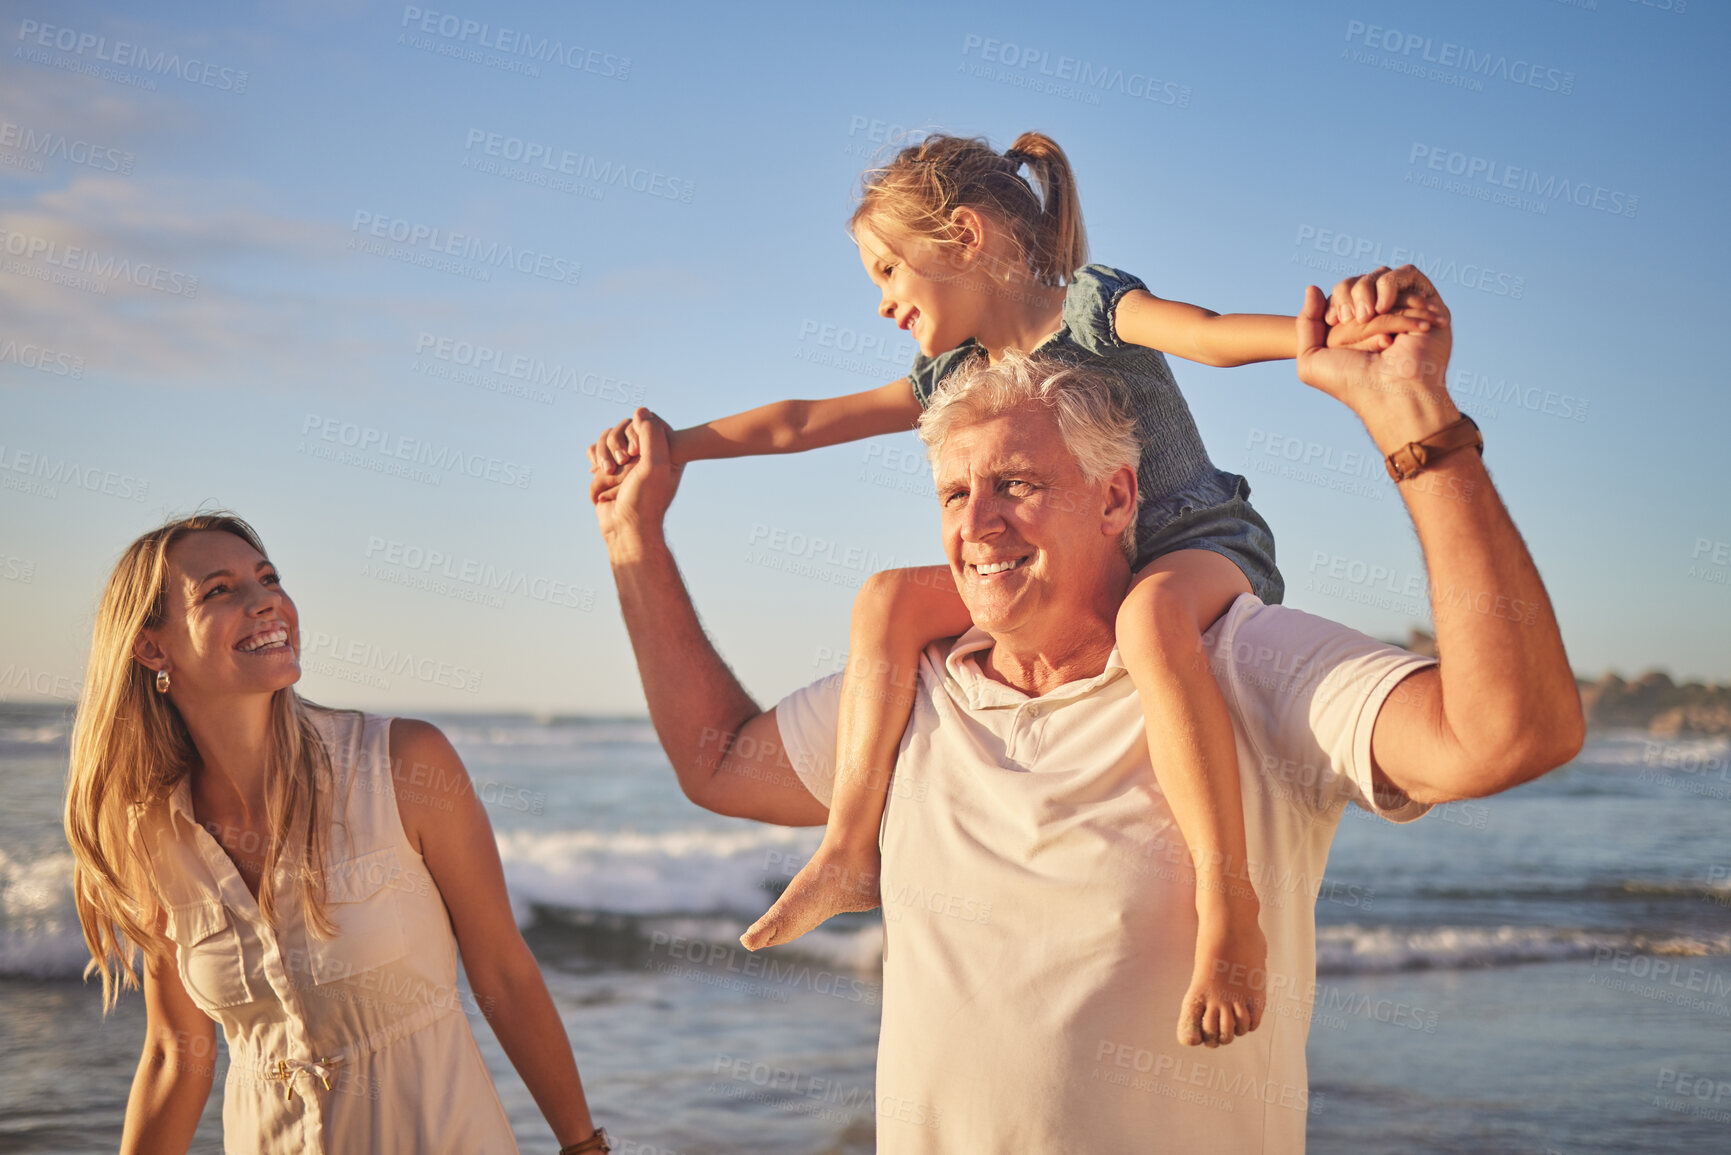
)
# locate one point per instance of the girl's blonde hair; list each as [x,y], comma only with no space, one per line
[917,195]
[130,749]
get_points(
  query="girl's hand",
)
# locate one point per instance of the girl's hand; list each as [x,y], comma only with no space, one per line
[1378,332]
[1362,299]
[618,446]
[613,449]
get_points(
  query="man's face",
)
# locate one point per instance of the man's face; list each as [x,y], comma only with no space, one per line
[1029,540]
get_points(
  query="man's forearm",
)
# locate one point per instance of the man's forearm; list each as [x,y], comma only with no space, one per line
[1509,709]
[692,695]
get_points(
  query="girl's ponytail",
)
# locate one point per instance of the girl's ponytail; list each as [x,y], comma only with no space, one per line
[918,192]
[1060,244]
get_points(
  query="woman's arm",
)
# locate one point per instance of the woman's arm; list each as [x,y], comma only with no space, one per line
[1211,338]
[779,427]
[448,826]
[178,1064]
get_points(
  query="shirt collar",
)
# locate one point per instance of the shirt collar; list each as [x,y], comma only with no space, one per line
[984,693]
[180,801]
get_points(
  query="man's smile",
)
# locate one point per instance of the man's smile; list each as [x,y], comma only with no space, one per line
[987,569]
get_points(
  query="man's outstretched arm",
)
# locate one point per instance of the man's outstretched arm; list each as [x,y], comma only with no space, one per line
[725,750]
[1501,707]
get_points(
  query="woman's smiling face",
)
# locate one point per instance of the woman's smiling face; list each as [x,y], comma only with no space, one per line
[228,625]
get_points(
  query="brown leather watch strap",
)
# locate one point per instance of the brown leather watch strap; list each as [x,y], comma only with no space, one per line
[1411,459]
[596,1142]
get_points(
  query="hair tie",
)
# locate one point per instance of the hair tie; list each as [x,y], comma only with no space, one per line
[1016,157]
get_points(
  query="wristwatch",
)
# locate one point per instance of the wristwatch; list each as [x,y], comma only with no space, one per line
[596,1142]
[1410,459]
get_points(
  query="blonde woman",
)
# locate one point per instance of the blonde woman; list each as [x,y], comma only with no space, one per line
[304,877]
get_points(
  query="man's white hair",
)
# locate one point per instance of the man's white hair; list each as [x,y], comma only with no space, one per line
[1093,415]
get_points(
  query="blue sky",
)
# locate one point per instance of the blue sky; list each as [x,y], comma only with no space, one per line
[289,259]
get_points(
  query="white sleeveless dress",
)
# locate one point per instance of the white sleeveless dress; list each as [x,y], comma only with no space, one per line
[358,1043]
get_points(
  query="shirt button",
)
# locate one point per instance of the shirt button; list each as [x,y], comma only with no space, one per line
[1033,711]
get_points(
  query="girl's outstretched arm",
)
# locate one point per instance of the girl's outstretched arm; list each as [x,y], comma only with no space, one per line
[779,427]
[1199,334]
[897,614]
[1171,602]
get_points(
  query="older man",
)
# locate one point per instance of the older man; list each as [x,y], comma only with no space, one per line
[1039,916]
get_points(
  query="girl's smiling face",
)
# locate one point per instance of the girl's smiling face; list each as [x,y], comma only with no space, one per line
[923,292]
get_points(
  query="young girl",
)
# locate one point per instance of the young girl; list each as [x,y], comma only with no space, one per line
[972,259]
[303,876]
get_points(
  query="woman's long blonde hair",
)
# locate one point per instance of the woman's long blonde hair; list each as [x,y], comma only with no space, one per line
[130,749]
[918,192]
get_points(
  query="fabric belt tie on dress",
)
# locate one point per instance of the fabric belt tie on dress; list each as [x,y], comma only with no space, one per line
[287,1069]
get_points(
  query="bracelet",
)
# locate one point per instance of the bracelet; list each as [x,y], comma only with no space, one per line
[596,1142]
[1411,459]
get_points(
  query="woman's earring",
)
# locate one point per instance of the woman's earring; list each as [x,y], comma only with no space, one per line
[162,681]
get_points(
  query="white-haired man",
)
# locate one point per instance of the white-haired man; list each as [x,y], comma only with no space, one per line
[1038,903]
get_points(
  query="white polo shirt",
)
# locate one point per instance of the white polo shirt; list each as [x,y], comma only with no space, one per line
[1039,908]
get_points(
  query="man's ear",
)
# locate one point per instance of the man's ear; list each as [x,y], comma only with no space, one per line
[1119,502]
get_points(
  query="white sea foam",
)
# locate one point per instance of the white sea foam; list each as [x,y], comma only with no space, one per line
[39,934]
[690,871]
[1364,949]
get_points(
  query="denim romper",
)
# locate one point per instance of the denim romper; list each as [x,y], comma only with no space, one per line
[1187,502]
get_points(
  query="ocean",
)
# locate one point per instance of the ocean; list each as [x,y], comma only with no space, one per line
[1544,971]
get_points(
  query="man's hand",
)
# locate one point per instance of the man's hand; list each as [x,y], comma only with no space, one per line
[633,510]
[1400,392]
